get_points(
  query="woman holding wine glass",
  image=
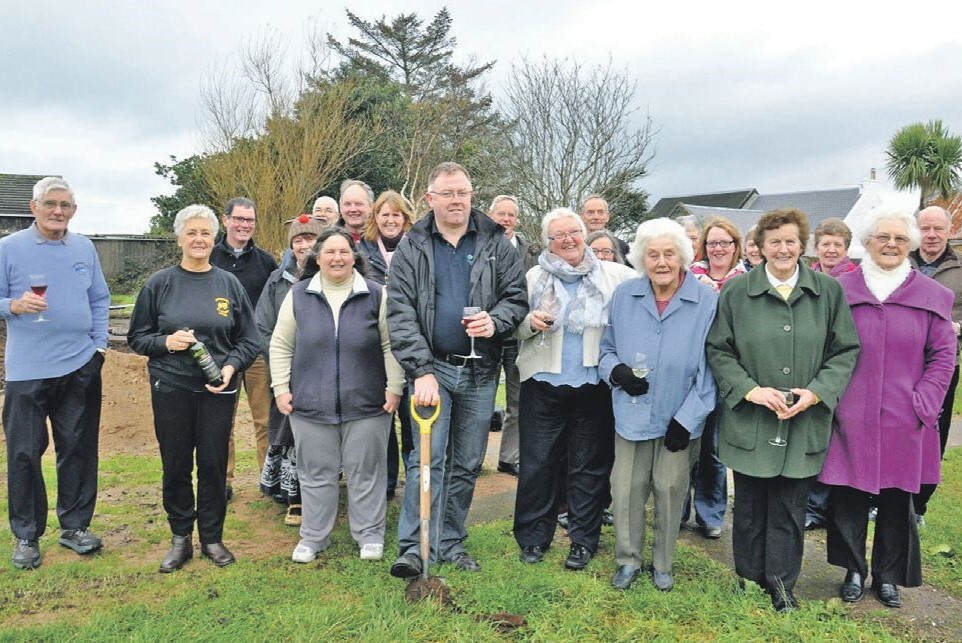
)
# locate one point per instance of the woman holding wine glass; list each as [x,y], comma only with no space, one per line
[565,406]
[654,346]
[179,307]
[885,438]
[782,326]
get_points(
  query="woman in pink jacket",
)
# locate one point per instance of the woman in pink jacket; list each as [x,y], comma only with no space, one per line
[885,439]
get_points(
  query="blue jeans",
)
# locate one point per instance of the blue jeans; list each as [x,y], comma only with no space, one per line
[459,438]
[710,479]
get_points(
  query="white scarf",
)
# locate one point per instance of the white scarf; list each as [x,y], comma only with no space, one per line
[882,283]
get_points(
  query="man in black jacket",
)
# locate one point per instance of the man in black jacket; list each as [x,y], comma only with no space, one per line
[453,258]
[236,253]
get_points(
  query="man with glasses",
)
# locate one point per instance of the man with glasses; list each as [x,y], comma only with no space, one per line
[935,258]
[453,258]
[595,214]
[504,211]
[325,210]
[357,198]
[236,253]
[55,301]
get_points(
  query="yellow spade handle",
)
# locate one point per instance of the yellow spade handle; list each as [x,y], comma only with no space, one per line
[424,428]
[424,424]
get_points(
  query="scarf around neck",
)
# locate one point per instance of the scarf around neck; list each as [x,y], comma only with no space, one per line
[587,308]
[882,283]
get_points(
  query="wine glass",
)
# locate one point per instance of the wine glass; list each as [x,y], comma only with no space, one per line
[543,340]
[640,369]
[466,314]
[38,286]
[778,440]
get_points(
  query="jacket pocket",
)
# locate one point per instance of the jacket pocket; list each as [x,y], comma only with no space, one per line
[740,430]
[818,430]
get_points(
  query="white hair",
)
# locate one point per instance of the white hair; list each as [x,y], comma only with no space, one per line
[194,212]
[658,228]
[503,197]
[49,183]
[560,213]
[870,222]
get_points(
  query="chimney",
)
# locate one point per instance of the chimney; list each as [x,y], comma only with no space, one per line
[871,174]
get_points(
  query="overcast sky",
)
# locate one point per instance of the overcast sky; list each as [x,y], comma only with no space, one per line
[743,94]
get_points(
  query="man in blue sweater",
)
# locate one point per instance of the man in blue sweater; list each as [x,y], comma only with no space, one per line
[55,300]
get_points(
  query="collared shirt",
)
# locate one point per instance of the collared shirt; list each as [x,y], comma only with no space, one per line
[776,282]
[928,268]
[452,287]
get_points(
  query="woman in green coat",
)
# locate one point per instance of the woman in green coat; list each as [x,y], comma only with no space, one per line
[782,348]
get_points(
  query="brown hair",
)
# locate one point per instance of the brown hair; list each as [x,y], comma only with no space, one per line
[834,228]
[774,219]
[395,200]
[727,226]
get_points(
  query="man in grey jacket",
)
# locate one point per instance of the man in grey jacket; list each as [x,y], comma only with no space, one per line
[453,258]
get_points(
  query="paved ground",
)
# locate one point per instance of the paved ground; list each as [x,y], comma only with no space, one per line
[932,613]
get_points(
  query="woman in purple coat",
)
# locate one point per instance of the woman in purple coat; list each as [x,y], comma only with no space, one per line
[885,438]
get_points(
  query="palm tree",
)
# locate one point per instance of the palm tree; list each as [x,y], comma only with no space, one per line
[927,157]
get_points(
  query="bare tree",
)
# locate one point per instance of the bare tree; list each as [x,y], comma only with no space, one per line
[275,134]
[573,131]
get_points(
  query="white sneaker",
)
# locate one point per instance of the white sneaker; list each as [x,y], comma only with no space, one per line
[372,551]
[303,553]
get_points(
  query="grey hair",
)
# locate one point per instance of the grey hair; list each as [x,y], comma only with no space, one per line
[654,229]
[238,201]
[195,212]
[554,215]
[349,183]
[869,224]
[604,234]
[503,197]
[594,196]
[49,183]
[447,167]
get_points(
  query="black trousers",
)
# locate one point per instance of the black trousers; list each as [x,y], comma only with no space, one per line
[921,499]
[186,422]
[896,557]
[553,421]
[768,529]
[72,403]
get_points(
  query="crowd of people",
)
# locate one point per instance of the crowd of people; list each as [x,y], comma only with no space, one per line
[631,372]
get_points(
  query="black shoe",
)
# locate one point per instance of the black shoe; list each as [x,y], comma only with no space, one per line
[510,469]
[229,493]
[783,600]
[80,540]
[578,557]
[497,420]
[811,523]
[851,591]
[888,594]
[532,554]
[218,554]
[26,554]
[663,581]
[563,520]
[607,518]
[624,577]
[181,550]
[711,533]
[406,566]
[463,561]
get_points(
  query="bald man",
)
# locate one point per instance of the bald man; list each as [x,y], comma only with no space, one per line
[325,210]
[936,259]
[595,214]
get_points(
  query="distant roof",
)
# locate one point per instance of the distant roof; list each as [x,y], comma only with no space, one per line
[817,204]
[16,190]
[741,219]
[736,199]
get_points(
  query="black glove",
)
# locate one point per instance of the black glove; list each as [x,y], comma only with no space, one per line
[622,376]
[677,437]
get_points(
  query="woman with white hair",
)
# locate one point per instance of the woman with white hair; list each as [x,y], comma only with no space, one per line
[179,306]
[885,438]
[565,407]
[658,323]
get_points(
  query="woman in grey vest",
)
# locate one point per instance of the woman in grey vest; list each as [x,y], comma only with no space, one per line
[333,373]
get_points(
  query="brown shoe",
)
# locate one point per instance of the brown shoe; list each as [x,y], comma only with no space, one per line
[218,554]
[293,517]
[181,550]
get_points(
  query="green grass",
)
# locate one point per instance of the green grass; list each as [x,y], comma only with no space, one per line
[118,593]
[941,536]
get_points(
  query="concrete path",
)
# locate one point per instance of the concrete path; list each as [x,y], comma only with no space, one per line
[931,613]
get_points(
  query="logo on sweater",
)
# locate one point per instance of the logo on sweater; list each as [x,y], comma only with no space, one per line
[223,306]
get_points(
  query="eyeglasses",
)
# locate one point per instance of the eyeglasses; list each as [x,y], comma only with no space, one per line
[885,239]
[719,244]
[562,236]
[243,220]
[447,195]
[603,252]
[66,206]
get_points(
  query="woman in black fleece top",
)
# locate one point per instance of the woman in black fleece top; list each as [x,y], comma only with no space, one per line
[178,306]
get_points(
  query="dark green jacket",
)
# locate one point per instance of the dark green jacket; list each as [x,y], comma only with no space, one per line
[759,339]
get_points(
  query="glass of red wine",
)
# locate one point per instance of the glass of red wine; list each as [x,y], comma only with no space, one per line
[467,315]
[38,286]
